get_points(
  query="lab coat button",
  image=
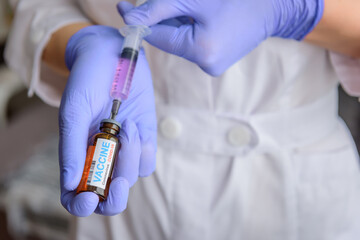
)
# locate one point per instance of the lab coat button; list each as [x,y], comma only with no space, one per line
[239,136]
[170,128]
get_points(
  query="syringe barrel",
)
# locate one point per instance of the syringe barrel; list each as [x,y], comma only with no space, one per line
[124,74]
[127,61]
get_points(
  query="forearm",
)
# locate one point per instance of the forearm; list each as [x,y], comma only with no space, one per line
[339,28]
[54,52]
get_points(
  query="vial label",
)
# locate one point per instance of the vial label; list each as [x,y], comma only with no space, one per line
[101,163]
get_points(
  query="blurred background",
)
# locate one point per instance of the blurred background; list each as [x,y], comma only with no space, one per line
[29,174]
[29,177]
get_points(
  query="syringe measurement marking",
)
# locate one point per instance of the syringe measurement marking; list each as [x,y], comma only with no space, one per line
[123,77]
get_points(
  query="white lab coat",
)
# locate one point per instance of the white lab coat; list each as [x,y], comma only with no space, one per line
[257,153]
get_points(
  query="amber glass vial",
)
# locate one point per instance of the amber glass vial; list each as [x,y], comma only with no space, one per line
[100,159]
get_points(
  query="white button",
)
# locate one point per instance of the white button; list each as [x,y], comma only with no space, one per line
[239,136]
[170,128]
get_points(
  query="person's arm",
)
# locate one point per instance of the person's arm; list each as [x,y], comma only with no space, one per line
[33,24]
[339,28]
[54,52]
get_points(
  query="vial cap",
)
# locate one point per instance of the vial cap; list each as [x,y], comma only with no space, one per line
[111,121]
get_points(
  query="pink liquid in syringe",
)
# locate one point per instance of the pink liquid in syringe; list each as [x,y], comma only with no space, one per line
[123,77]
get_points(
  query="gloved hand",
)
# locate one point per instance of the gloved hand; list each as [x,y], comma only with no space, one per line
[92,56]
[219,32]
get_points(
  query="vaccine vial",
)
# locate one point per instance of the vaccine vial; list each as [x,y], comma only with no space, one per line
[100,158]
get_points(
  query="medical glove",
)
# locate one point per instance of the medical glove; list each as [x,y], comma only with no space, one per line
[92,56]
[218,33]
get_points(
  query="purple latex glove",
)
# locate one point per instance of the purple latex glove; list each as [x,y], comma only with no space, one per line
[92,56]
[219,33]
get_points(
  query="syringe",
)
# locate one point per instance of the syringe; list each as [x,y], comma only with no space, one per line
[126,64]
